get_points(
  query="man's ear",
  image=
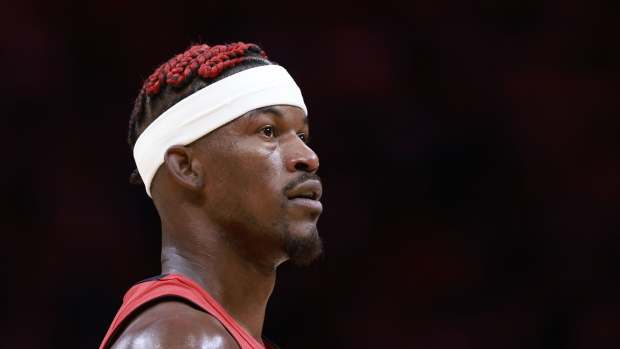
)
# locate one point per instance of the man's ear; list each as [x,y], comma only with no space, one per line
[185,169]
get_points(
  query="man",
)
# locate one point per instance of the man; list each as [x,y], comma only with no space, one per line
[219,136]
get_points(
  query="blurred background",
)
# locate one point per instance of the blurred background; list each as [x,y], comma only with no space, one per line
[469,152]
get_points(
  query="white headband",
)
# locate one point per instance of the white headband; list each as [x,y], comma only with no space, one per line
[212,107]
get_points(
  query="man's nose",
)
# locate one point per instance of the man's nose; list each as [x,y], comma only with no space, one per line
[300,157]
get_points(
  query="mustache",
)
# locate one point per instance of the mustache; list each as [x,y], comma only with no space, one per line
[303,178]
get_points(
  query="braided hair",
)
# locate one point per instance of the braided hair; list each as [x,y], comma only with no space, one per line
[184,74]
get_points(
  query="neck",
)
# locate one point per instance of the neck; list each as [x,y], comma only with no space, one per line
[239,285]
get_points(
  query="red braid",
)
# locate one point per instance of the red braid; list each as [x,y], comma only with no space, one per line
[202,60]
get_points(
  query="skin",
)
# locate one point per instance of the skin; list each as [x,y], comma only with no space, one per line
[231,213]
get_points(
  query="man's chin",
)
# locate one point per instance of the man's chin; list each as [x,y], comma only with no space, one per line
[303,249]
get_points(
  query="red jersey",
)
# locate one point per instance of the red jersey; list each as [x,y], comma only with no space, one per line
[175,285]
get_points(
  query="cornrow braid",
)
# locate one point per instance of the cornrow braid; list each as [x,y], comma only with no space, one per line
[184,74]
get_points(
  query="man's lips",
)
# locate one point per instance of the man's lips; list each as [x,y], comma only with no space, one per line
[308,190]
[313,206]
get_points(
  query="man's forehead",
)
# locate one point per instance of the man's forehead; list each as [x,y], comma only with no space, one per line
[278,111]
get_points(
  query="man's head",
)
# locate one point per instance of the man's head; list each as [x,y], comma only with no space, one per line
[254,178]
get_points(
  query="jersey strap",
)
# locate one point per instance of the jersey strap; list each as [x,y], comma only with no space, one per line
[176,285]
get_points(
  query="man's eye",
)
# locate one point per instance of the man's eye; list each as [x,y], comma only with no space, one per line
[268,131]
[303,137]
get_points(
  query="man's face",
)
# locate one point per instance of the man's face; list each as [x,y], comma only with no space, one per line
[261,186]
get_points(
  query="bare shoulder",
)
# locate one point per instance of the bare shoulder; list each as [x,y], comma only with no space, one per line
[174,325]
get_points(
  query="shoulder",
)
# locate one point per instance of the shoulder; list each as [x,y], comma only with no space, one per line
[174,324]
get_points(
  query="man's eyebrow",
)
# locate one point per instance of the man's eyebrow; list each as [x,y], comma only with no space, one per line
[270,110]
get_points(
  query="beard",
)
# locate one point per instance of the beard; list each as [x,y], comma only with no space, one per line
[303,249]
[302,244]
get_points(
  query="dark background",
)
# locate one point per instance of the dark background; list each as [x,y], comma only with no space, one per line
[469,152]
